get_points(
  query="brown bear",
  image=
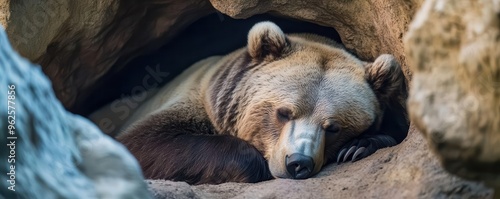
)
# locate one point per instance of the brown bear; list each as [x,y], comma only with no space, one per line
[284,106]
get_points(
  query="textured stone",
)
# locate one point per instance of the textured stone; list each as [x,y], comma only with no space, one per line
[77,42]
[454,51]
[50,152]
[367,28]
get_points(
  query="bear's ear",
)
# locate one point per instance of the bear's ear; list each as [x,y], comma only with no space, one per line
[266,39]
[389,84]
[385,77]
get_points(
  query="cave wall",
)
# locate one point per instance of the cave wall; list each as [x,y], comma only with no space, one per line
[455,92]
[215,34]
[78,42]
[367,28]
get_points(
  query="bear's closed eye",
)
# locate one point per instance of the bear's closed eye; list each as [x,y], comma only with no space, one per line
[284,114]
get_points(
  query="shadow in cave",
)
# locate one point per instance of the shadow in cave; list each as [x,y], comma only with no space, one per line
[215,34]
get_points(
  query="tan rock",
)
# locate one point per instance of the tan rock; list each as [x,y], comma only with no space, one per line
[453,48]
[367,28]
[4,12]
[77,42]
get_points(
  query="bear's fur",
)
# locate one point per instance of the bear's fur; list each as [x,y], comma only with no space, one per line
[242,116]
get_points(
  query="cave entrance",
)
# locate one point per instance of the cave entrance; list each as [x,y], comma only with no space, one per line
[215,34]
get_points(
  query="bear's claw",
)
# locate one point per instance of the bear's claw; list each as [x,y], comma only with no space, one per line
[349,152]
[341,154]
[364,146]
[358,152]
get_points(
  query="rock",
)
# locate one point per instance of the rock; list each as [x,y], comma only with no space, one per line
[407,170]
[367,28]
[77,42]
[51,152]
[453,50]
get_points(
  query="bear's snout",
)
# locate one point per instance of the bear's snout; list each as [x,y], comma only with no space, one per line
[299,151]
[299,166]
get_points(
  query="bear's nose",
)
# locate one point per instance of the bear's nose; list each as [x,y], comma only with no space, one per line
[299,166]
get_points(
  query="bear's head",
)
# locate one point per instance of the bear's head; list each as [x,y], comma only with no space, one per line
[302,97]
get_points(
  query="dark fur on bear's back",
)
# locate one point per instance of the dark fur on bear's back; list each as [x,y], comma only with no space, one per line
[210,155]
[201,149]
[223,95]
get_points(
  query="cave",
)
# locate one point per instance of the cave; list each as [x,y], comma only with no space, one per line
[94,53]
[215,34]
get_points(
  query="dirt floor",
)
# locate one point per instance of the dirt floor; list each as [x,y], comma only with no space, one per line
[408,170]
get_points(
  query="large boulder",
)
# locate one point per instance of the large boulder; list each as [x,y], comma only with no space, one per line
[48,152]
[77,42]
[453,48]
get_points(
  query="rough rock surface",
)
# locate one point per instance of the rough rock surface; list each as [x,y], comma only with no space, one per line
[4,11]
[454,50]
[367,28]
[77,42]
[48,152]
[407,170]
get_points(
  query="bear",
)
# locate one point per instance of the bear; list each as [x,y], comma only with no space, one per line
[284,106]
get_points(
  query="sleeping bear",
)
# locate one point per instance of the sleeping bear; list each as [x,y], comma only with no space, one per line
[284,106]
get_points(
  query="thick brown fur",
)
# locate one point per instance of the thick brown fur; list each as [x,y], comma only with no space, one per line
[167,139]
[239,117]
